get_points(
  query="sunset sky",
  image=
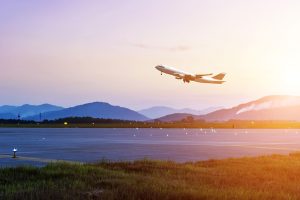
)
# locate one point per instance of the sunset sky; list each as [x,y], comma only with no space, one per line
[72,52]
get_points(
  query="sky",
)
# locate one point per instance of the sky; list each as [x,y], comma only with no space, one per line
[69,52]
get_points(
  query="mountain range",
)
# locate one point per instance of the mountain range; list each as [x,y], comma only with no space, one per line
[26,110]
[160,111]
[95,110]
[266,108]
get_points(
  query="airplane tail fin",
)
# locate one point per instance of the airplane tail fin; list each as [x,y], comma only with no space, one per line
[219,76]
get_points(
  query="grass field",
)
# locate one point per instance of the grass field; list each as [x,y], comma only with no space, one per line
[268,177]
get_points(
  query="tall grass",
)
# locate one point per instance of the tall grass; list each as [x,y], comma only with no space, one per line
[267,177]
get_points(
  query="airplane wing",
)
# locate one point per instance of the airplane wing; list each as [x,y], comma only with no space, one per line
[179,75]
[183,76]
[201,75]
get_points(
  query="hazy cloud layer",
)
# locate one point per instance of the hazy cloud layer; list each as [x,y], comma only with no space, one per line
[173,48]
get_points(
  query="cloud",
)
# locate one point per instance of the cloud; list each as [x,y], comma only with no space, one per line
[172,49]
[180,48]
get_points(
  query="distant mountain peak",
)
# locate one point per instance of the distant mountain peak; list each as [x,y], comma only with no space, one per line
[160,111]
[94,109]
[26,110]
[273,107]
[269,102]
[95,103]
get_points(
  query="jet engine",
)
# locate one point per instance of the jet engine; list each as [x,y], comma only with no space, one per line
[186,80]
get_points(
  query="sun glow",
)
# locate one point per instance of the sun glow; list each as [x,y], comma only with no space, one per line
[290,80]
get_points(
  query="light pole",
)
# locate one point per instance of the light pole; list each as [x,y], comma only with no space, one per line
[14,152]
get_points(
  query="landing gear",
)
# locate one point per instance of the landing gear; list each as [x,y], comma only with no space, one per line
[160,73]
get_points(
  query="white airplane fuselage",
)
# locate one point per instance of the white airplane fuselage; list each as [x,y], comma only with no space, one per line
[187,77]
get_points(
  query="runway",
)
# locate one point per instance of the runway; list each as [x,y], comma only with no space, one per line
[41,146]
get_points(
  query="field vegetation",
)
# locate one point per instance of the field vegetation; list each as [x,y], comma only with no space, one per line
[266,177]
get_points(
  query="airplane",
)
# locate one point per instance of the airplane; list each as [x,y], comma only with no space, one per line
[187,77]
